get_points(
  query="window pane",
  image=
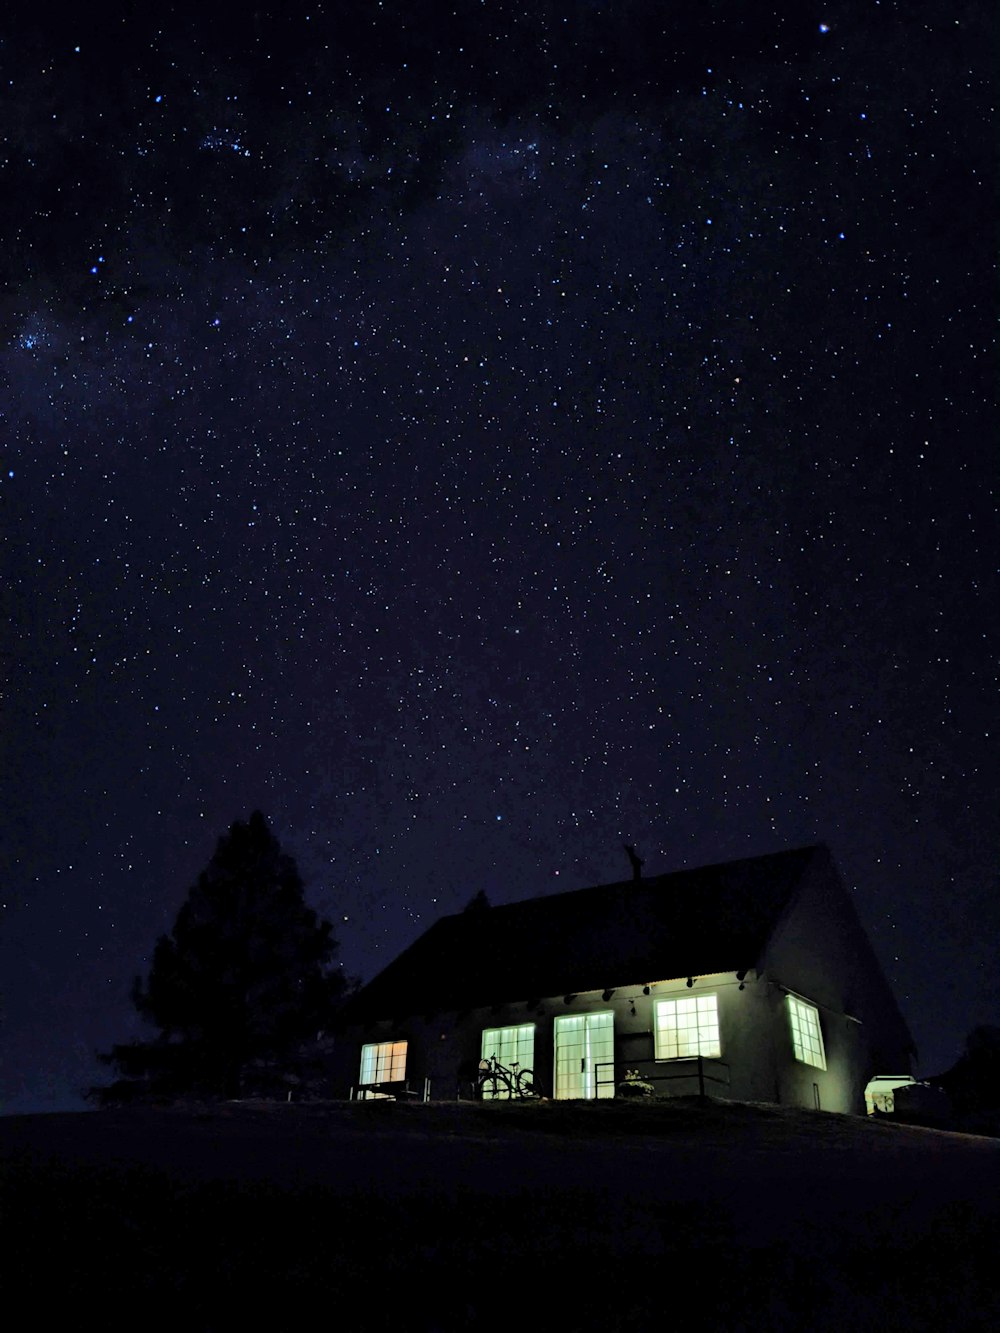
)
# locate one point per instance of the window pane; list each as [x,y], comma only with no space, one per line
[585,1055]
[511,1046]
[383,1062]
[514,1047]
[807,1035]
[687,1028]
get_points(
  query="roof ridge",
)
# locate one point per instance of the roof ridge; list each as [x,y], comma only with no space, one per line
[630,883]
[572,939]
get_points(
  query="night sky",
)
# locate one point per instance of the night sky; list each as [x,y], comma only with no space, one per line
[480,435]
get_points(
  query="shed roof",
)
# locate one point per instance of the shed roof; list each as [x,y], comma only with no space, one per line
[714,919]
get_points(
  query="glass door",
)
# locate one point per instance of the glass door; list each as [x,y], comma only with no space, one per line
[585,1056]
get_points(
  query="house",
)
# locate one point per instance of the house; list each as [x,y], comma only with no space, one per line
[751,980]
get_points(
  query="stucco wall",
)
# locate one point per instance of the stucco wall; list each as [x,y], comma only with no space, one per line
[820,951]
[756,1062]
[817,951]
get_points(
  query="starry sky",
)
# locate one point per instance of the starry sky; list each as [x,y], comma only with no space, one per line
[479,435]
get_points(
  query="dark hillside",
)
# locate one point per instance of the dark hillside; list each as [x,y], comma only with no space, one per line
[446,1217]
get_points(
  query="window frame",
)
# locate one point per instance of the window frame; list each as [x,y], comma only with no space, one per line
[524,1044]
[520,1039]
[708,1047]
[388,1068]
[597,1029]
[805,1044]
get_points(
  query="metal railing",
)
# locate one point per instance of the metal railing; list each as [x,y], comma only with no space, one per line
[396,1091]
[604,1076]
[698,1073]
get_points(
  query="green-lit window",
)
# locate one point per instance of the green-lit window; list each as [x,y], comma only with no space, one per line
[514,1047]
[585,1055]
[383,1062]
[686,1028]
[807,1035]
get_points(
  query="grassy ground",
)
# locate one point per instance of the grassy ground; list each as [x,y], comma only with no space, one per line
[581,1216]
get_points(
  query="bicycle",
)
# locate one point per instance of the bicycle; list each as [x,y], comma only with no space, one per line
[498,1082]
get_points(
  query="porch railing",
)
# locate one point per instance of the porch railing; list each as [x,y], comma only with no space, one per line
[396,1091]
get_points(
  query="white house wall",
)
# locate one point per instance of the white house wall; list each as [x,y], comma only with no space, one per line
[756,1061]
[820,951]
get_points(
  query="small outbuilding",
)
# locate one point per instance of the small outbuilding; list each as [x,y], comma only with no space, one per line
[752,980]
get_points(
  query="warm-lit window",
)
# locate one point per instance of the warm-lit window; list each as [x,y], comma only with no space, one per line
[686,1028]
[807,1035]
[514,1048]
[383,1062]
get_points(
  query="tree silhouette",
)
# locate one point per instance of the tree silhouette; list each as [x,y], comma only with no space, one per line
[973,1082]
[241,982]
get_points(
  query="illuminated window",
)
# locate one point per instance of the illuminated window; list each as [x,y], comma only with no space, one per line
[686,1028]
[807,1035]
[585,1055]
[511,1046]
[514,1048]
[383,1062]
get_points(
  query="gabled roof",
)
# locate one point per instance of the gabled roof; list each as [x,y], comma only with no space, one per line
[690,923]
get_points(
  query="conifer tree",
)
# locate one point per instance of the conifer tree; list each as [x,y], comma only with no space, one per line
[244,978]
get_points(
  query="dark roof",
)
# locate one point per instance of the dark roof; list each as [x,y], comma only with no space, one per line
[690,923]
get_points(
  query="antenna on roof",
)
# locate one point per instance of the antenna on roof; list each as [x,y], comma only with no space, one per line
[637,862]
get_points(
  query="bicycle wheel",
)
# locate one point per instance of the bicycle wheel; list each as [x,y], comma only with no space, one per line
[505,1087]
[526,1083]
[488,1087]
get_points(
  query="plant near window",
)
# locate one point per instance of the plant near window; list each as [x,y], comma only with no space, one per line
[634,1085]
